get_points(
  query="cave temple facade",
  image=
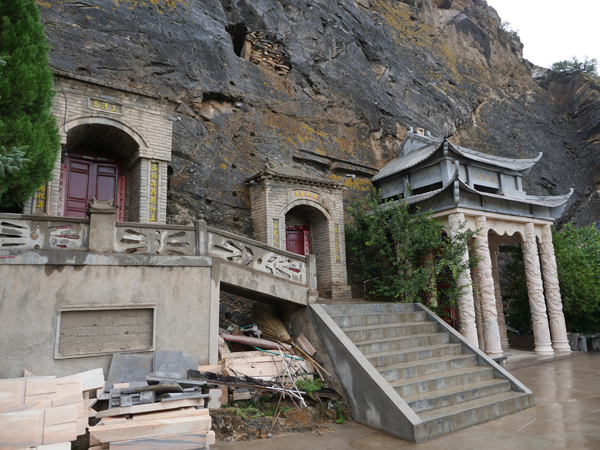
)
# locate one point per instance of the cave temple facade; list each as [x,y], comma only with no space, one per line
[115,145]
[466,189]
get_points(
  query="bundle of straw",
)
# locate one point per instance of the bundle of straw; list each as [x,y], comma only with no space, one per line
[273,329]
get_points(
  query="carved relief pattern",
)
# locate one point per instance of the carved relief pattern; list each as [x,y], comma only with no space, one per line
[499,306]
[245,253]
[466,307]
[485,282]
[537,304]
[478,318]
[551,286]
[152,241]
[43,235]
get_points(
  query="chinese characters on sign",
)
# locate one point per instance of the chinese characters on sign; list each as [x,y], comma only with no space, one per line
[103,105]
[153,192]
[307,194]
[336,231]
[485,176]
[40,199]
[276,233]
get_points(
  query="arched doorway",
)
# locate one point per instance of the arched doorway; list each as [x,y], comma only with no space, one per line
[95,164]
[307,232]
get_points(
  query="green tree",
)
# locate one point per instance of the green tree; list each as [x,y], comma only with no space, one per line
[578,262]
[387,246]
[574,65]
[25,101]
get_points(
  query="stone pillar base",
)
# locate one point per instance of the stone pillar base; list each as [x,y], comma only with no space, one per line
[561,346]
[544,349]
[504,343]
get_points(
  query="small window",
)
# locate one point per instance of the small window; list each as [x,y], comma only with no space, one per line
[487,189]
[428,188]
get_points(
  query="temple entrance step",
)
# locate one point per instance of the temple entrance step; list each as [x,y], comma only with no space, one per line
[443,383]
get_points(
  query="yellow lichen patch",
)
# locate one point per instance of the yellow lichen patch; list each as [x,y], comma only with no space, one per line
[161,5]
[320,152]
[359,184]
[44,4]
[223,166]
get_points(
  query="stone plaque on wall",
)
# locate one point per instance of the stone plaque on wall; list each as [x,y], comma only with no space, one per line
[86,332]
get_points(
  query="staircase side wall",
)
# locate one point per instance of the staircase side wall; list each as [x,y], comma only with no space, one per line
[372,400]
[482,358]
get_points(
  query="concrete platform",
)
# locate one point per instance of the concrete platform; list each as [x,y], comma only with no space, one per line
[520,359]
[566,416]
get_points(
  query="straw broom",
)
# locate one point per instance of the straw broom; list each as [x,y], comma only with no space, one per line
[273,329]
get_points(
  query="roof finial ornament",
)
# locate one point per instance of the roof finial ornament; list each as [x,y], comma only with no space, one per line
[411,130]
[446,130]
[428,133]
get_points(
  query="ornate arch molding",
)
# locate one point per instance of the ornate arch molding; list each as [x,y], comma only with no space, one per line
[301,201]
[96,120]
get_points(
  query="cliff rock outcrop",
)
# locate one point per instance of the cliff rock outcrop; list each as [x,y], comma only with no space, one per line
[329,88]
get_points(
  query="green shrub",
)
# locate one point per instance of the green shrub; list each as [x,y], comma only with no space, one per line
[387,246]
[574,65]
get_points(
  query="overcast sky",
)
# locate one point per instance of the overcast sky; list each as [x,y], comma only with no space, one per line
[553,30]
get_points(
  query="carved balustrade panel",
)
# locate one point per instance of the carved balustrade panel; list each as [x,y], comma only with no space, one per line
[155,241]
[43,234]
[257,256]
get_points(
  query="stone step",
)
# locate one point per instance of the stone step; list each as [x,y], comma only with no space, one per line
[438,381]
[371,346]
[389,330]
[382,359]
[368,308]
[452,418]
[354,320]
[431,366]
[458,394]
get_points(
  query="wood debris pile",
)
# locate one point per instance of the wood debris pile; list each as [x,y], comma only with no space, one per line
[46,412]
[258,49]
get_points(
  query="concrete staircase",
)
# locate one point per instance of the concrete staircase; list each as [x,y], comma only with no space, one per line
[446,382]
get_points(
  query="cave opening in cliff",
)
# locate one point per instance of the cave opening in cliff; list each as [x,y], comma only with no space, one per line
[238,34]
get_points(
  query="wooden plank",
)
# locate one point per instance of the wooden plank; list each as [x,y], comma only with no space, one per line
[22,429]
[27,374]
[164,427]
[62,414]
[40,386]
[40,398]
[61,432]
[59,446]
[173,414]
[216,368]
[91,379]
[12,393]
[188,441]
[136,409]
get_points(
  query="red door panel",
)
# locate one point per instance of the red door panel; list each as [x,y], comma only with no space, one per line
[295,242]
[87,179]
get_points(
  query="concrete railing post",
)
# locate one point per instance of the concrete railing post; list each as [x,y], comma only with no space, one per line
[311,278]
[103,217]
[201,237]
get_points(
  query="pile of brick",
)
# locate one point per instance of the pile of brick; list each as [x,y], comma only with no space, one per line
[266,51]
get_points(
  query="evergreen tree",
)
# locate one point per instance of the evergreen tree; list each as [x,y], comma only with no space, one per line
[25,100]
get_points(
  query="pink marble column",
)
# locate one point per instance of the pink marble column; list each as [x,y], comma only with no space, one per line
[499,306]
[537,304]
[558,329]
[466,308]
[477,302]
[485,283]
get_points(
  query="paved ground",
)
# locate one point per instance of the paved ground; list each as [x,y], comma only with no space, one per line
[566,415]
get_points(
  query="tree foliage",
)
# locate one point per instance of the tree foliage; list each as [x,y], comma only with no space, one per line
[387,247]
[578,263]
[25,101]
[574,65]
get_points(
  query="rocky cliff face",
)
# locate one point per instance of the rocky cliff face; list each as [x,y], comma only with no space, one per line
[329,88]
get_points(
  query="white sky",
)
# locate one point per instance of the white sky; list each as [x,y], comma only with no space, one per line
[553,30]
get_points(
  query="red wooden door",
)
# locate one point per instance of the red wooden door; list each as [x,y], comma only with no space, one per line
[297,239]
[88,178]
